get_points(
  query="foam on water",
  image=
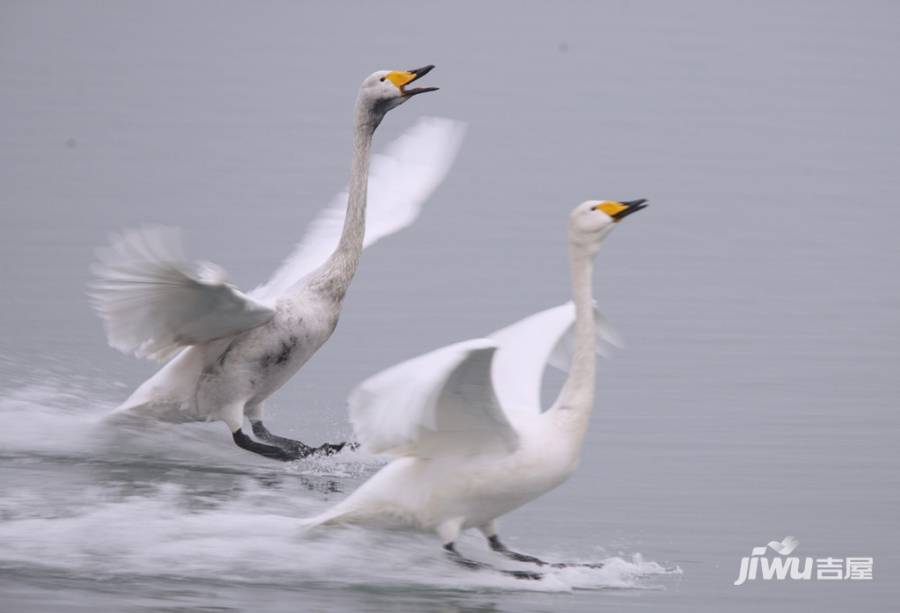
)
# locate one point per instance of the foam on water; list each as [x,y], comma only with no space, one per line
[148,500]
[66,419]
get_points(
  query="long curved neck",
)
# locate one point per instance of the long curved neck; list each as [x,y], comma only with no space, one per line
[576,400]
[337,272]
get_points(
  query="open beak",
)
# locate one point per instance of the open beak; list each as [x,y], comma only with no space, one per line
[629,207]
[411,76]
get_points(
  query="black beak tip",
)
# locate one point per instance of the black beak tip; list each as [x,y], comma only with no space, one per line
[418,74]
[409,93]
[424,70]
[633,206]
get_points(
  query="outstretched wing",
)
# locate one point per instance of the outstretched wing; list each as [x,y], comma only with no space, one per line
[438,404]
[527,346]
[455,400]
[153,301]
[400,180]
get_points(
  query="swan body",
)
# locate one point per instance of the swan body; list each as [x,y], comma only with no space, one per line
[459,455]
[233,350]
[228,379]
[448,493]
[464,423]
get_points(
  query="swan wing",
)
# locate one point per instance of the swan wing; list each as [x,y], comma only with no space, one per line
[526,347]
[436,405]
[154,302]
[400,180]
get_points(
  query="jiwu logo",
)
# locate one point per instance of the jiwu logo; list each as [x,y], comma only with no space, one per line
[759,566]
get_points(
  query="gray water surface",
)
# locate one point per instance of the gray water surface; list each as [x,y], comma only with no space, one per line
[758,393]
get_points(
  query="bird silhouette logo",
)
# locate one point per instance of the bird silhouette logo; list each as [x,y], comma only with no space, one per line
[785,547]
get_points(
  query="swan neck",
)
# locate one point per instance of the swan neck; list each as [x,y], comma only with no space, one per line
[342,264]
[576,400]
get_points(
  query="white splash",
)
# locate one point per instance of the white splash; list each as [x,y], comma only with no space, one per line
[87,498]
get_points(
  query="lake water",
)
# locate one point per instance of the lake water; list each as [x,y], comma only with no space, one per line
[758,393]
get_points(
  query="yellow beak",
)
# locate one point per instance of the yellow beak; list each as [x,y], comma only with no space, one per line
[402,78]
[618,210]
[611,208]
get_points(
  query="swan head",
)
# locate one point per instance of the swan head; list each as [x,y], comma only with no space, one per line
[592,220]
[384,90]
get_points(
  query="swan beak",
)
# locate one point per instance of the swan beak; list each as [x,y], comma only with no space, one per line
[621,210]
[402,78]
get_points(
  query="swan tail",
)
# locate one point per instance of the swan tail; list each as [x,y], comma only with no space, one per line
[331,517]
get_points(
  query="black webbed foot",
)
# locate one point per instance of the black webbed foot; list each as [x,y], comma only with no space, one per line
[294,448]
[475,565]
[329,448]
[272,452]
[263,434]
[595,565]
[500,548]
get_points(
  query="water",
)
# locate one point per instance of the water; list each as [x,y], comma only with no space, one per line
[756,398]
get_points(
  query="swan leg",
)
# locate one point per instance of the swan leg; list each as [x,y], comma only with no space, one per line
[490,532]
[465,562]
[449,531]
[499,547]
[300,450]
[269,451]
[232,415]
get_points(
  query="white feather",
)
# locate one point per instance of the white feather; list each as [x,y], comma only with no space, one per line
[448,490]
[400,180]
[529,345]
[154,302]
[448,401]
[441,403]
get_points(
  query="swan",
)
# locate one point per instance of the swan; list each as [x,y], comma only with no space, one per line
[464,423]
[233,350]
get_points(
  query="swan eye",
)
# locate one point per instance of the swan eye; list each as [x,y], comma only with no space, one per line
[381,79]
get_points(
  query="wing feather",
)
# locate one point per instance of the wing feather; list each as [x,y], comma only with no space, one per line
[154,302]
[438,404]
[458,399]
[529,345]
[400,181]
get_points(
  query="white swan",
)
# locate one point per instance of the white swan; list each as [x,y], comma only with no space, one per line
[465,423]
[237,349]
